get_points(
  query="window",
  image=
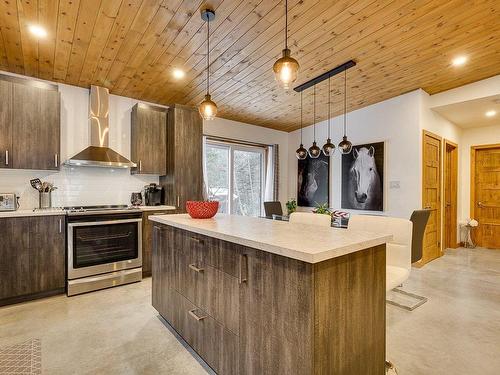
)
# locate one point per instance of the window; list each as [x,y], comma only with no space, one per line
[235,176]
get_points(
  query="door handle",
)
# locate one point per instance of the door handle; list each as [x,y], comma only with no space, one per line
[60,225]
[200,241]
[178,202]
[140,165]
[195,316]
[196,269]
[6,157]
[56,161]
[243,274]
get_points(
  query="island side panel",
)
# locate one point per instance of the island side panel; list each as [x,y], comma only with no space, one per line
[349,324]
[276,315]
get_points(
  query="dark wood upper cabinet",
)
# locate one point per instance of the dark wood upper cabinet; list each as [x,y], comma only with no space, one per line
[32,258]
[149,139]
[30,121]
[184,178]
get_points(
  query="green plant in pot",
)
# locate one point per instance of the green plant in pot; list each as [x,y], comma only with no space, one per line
[291,206]
[322,209]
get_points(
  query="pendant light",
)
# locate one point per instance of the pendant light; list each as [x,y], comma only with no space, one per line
[208,108]
[286,68]
[345,146]
[329,147]
[314,150]
[301,151]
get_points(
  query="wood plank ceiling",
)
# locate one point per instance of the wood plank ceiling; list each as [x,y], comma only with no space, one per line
[131,47]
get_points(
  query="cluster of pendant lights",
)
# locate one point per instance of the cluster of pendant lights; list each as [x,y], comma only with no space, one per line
[328,149]
[285,71]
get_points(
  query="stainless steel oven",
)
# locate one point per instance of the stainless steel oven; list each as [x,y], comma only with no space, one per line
[104,249]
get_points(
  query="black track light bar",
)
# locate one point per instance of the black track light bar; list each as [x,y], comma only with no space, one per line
[339,69]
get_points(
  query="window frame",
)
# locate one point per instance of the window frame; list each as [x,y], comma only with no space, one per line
[237,146]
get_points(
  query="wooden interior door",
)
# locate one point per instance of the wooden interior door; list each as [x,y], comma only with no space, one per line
[431,195]
[485,194]
[450,194]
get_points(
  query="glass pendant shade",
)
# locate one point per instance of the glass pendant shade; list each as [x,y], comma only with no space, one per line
[301,152]
[345,146]
[314,151]
[208,108]
[286,70]
[328,148]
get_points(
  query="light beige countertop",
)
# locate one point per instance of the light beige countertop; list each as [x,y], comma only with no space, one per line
[33,212]
[157,208]
[60,211]
[311,244]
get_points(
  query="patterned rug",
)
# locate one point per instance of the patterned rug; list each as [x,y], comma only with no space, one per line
[23,358]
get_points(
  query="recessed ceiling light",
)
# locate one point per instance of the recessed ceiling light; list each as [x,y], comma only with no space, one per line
[490,113]
[459,60]
[178,73]
[38,31]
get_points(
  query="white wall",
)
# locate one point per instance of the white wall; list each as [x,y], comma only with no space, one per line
[395,121]
[240,131]
[82,185]
[472,137]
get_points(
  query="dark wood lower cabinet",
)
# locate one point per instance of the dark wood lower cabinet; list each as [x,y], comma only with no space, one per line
[246,311]
[32,258]
[147,240]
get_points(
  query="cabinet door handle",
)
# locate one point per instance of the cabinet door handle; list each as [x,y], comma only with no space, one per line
[56,161]
[196,269]
[6,157]
[197,240]
[140,165]
[243,276]
[195,316]
[60,225]
[178,202]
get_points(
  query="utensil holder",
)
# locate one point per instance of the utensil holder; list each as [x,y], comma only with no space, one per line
[45,199]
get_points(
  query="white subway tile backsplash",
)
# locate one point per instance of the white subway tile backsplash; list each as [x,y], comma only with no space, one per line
[75,186]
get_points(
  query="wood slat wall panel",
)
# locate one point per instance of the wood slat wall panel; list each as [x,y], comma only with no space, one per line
[150,37]
[148,11]
[9,26]
[47,17]
[388,75]
[83,34]
[123,22]
[28,15]
[66,22]
[131,47]
[100,36]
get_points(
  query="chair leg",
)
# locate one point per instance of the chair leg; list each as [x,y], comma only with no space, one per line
[421,300]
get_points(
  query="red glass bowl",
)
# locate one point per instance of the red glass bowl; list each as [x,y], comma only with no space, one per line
[202,209]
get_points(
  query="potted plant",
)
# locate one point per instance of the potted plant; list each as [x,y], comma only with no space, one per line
[291,206]
[322,209]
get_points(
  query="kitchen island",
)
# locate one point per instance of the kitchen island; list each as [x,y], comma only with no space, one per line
[257,296]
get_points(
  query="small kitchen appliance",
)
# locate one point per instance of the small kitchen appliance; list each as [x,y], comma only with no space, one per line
[8,202]
[153,195]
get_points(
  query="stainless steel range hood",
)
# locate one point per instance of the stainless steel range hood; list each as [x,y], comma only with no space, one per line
[98,154]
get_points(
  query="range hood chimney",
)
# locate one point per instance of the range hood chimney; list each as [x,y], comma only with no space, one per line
[98,154]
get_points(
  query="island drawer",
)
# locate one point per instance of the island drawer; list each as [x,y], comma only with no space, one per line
[210,289]
[217,345]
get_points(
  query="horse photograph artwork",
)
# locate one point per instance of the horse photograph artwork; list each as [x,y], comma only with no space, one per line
[313,181]
[363,178]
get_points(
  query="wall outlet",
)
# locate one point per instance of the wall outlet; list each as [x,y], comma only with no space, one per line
[394,184]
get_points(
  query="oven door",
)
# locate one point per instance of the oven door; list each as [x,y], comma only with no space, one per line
[103,246]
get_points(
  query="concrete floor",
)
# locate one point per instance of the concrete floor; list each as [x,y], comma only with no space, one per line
[116,331]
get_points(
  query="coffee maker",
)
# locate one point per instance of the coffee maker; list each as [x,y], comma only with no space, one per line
[153,195]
